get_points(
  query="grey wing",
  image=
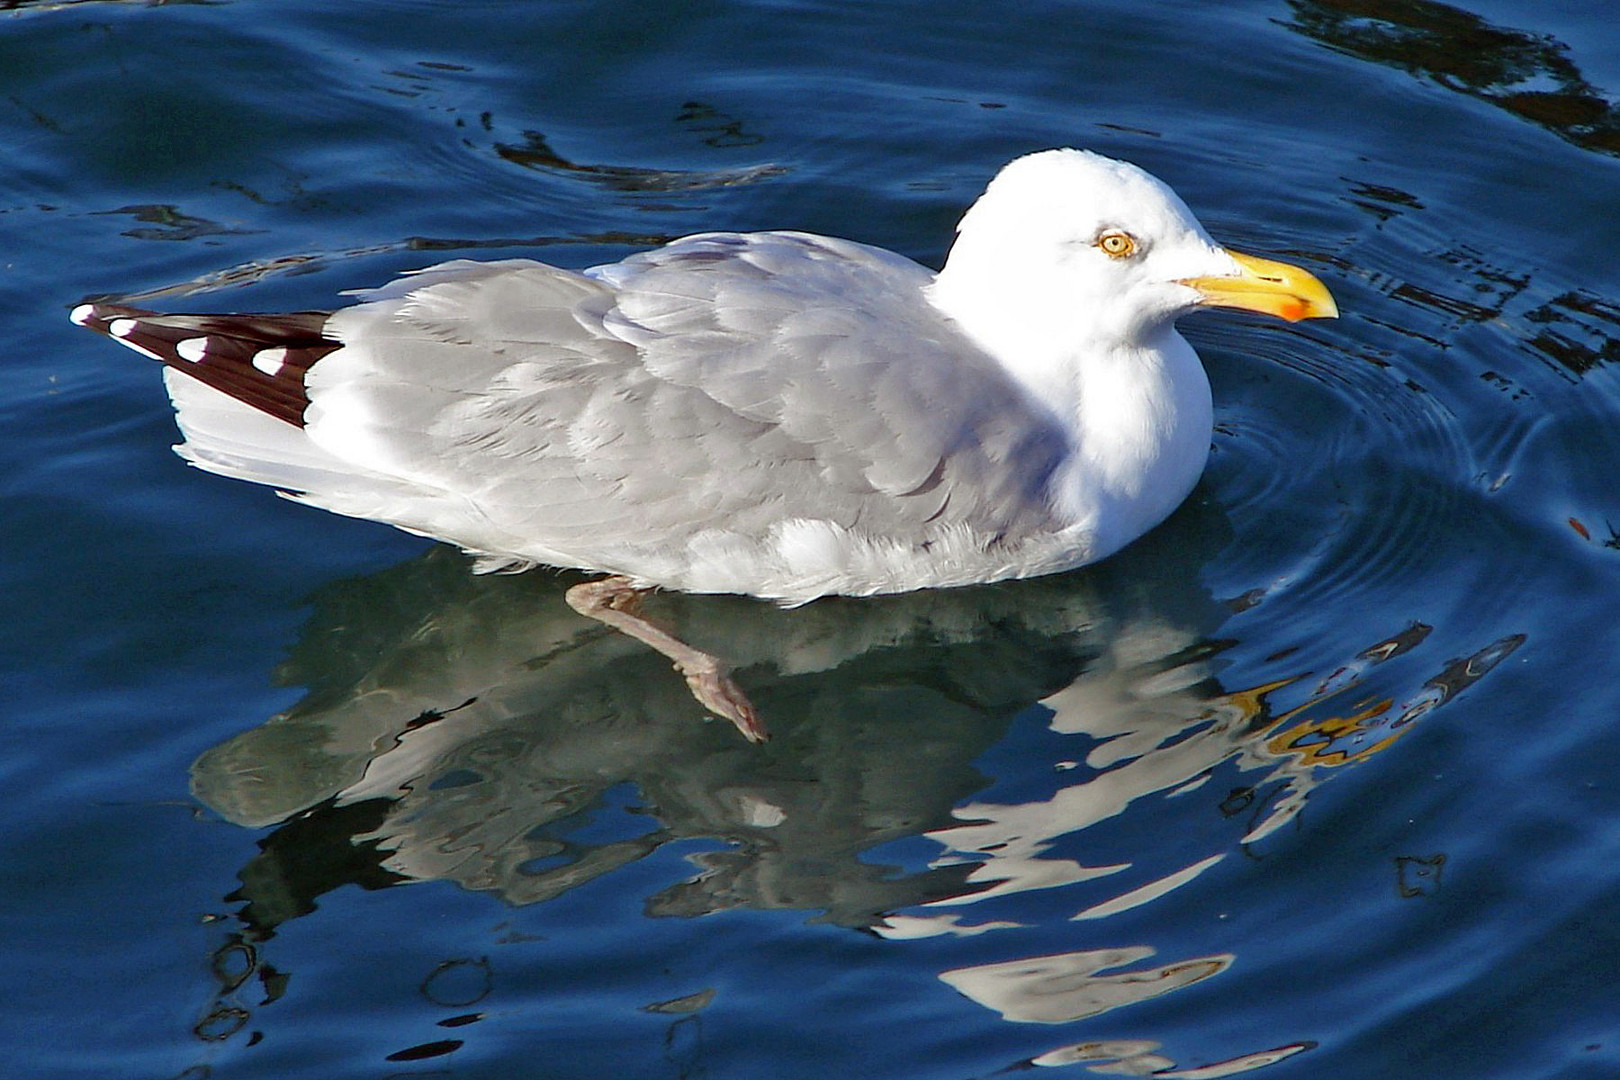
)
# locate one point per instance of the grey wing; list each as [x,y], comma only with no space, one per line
[832,343]
[724,381]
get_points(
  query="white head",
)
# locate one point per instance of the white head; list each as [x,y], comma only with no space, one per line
[1067,251]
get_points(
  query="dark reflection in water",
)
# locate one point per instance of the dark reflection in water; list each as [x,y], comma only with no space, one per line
[167,222]
[1418,875]
[1569,329]
[536,153]
[1530,75]
[1577,331]
[54,5]
[1572,330]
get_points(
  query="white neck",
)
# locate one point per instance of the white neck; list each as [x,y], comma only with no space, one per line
[1134,399]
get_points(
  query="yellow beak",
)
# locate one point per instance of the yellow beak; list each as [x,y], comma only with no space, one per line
[1275,288]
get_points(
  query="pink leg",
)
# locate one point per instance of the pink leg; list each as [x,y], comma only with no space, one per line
[613,600]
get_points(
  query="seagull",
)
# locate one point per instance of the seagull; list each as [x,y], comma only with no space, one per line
[779,414]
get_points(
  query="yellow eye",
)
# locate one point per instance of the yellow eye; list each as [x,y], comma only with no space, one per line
[1117,245]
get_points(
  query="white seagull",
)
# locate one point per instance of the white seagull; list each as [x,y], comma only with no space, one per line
[779,414]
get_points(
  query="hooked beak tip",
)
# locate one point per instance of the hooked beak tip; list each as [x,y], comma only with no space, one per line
[1267,286]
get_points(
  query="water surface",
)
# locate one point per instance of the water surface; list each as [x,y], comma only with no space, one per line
[1315,780]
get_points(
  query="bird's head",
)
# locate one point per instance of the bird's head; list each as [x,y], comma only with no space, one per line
[1071,241]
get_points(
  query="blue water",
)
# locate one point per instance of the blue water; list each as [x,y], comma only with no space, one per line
[1317,780]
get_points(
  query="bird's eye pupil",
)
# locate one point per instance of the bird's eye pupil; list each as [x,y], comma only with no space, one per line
[1116,244]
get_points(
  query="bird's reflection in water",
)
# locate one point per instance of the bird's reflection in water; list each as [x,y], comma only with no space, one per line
[477,730]
[479,719]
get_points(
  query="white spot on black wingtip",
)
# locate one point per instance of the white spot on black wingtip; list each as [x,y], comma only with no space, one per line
[193,349]
[270,361]
[122,329]
[83,314]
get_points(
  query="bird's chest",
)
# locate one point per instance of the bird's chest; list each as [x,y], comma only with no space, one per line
[1141,436]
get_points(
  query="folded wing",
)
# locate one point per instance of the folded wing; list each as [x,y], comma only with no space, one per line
[726,382]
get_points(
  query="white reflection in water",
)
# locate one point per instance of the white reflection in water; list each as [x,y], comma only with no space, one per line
[1077,985]
[1137,1057]
[1149,892]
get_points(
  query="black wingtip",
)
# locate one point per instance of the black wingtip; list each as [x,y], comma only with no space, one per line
[260,360]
